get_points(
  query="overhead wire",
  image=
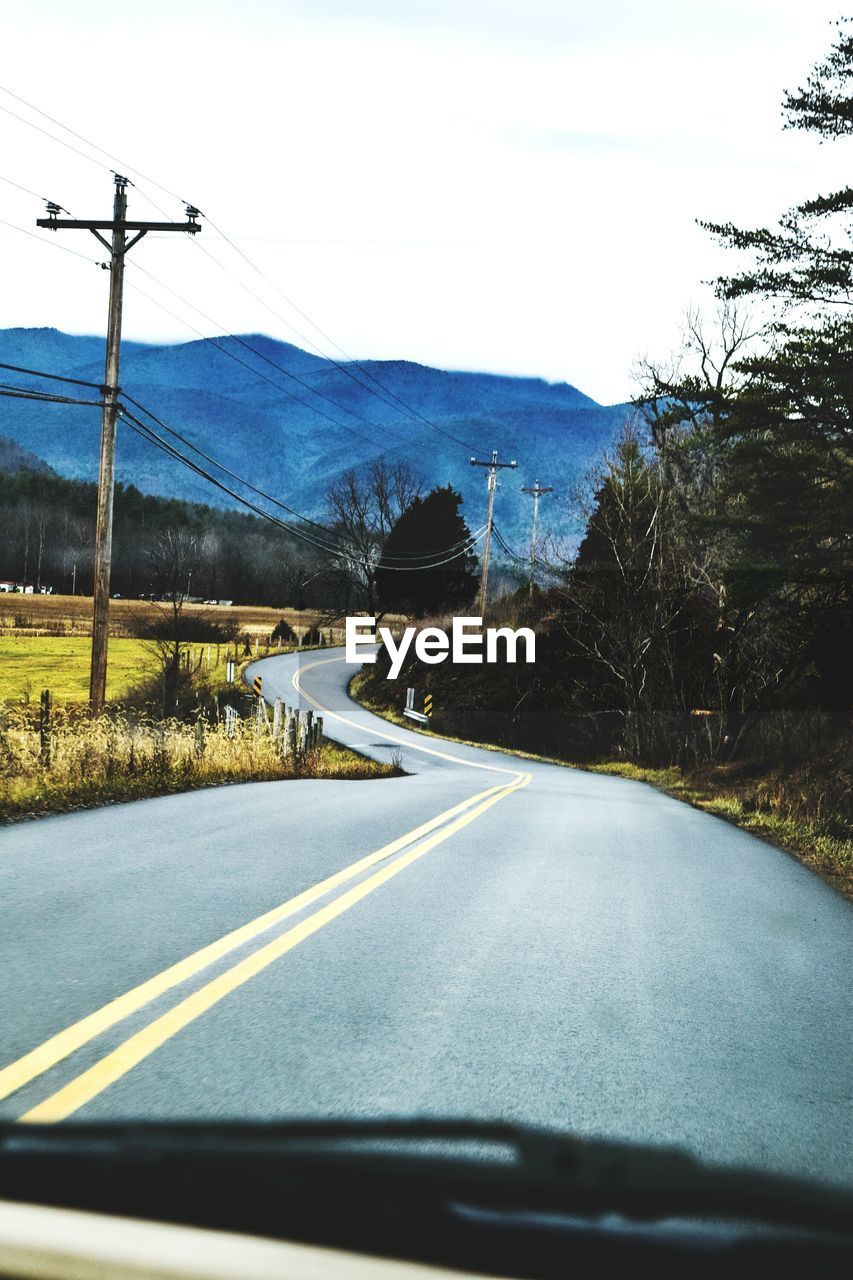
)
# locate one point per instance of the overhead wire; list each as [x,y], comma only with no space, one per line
[23,393]
[26,190]
[214,342]
[26,393]
[54,244]
[504,545]
[425,555]
[242,342]
[154,438]
[374,426]
[54,377]
[388,394]
[389,397]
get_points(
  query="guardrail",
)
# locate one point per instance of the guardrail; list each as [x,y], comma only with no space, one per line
[421,717]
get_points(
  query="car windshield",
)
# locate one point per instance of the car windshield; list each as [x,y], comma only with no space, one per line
[449,729]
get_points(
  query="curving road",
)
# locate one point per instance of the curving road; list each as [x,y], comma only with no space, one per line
[487,937]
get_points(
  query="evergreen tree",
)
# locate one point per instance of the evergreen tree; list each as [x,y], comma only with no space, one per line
[431,532]
[808,258]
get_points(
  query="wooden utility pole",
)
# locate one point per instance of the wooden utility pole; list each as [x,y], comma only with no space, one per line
[118,246]
[535,493]
[493,467]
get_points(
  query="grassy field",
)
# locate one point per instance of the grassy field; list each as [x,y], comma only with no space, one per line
[29,664]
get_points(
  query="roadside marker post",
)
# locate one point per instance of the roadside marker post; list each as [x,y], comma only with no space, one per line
[257,684]
[428,705]
[229,670]
[409,709]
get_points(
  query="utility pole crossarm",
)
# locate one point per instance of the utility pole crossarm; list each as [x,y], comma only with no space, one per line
[493,466]
[99,224]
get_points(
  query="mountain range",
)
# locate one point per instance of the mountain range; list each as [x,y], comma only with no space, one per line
[290,422]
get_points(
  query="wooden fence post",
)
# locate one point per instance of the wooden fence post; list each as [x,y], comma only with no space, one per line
[290,733]
[44,728]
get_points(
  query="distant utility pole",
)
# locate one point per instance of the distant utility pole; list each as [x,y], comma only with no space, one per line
[493,468]
[536,492]
[117,248]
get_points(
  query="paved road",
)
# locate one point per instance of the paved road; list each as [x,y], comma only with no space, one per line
[486,937]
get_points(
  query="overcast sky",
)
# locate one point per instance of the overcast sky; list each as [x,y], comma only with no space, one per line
[472,184]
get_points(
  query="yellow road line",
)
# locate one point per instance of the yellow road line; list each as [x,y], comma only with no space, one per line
[123,1059]
[403,742]
[66,1042]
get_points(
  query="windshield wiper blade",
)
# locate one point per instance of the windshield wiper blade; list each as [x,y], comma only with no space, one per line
[495,1164]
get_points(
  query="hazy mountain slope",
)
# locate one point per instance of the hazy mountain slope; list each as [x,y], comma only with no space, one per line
[14,458]
[290,421]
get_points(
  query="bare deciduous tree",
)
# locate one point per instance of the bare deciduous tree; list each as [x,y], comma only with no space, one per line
[363,507]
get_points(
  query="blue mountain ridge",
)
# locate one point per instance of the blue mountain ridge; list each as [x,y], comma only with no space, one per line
[290,422]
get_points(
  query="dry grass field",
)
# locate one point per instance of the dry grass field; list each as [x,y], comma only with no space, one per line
[72,616]
[87,763]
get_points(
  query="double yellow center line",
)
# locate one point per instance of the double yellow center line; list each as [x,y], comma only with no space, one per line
[117,1063]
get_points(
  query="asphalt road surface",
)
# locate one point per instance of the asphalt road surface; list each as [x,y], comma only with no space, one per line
[487,937]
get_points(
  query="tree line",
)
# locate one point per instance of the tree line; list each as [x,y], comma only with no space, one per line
[47,540]
[376,525]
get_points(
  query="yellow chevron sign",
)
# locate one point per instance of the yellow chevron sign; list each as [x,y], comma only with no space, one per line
[428,704]
[256,686]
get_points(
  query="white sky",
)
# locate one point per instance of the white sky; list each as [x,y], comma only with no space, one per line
[482,185]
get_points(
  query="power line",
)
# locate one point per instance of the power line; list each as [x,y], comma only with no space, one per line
[52,243]
[257,372]
[504,545]
[224,350]
[154,438]
[276,501]
[230,354]
[118,247]
[32,125]
[55,377]
[412,412]
[23,393]
[80,138]
[25,190]
[41,373]
[388,397]
[222,467]
[374,426]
